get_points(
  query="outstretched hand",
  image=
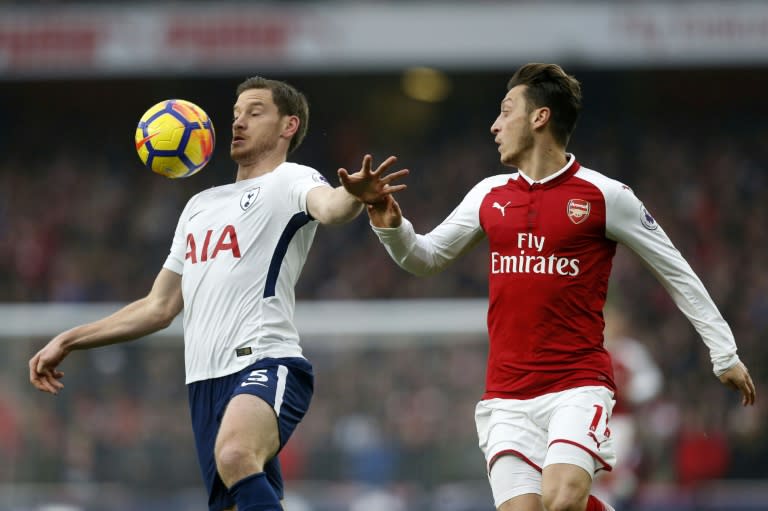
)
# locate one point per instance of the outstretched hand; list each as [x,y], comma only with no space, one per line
[386,213]
[372,186]
[738,378]
[42,368]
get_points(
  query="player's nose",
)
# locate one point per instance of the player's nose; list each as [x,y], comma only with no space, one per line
[238,122]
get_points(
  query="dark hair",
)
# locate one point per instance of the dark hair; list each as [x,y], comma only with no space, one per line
[548,85]
[289,101]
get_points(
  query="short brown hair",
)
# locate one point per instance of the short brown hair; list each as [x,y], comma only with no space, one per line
[548,85]
[289,101]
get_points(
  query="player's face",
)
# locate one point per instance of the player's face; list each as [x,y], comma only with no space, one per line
[512,128]
[257,125]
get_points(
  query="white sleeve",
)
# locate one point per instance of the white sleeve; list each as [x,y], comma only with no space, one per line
[431,253]
[629,223]
[302,180]
[177,255]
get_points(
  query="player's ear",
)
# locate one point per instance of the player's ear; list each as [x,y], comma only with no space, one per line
[540,117]
[291,125]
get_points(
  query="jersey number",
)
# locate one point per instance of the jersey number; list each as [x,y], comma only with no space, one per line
[595,423]
[257,377]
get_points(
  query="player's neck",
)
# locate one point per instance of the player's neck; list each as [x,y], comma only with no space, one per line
[259,166]
[542,162]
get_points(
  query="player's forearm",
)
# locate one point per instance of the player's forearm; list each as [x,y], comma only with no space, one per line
[691,297]
[414,253]
[339,207]
[133,321]
[628,222]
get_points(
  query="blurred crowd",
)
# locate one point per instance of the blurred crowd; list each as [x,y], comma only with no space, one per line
[81,221]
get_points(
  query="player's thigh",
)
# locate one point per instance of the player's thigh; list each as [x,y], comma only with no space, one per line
[250,425]
[579,446]
[268,401]
[505,427]
[565,486]
[578,430]
[527,502]
[515,484]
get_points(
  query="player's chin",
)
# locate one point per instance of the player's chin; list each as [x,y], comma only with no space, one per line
[507,160]
[237,154]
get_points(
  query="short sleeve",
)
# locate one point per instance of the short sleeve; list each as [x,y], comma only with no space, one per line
[177,255]
[302,179]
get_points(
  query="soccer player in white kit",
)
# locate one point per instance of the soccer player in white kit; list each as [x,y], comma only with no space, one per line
[552,228]
[233,264]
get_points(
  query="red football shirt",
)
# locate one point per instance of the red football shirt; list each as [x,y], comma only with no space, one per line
[551,243]
[548,276]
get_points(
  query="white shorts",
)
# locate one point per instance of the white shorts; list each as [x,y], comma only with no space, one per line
[570,426]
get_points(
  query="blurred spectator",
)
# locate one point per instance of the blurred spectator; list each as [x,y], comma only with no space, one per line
[702,452]
[638,381]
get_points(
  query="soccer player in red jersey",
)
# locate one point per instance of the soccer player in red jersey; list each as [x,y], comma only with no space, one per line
[552,227]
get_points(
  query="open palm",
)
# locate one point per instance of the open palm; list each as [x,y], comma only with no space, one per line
[372,186]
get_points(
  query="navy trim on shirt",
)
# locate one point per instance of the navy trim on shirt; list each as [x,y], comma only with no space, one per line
[296,222]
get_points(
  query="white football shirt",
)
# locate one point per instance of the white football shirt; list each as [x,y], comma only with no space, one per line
[240,249]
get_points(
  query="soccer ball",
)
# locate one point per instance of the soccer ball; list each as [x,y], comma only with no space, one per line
[175,138]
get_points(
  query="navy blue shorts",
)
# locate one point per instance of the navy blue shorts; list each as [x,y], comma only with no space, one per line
[285,383]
